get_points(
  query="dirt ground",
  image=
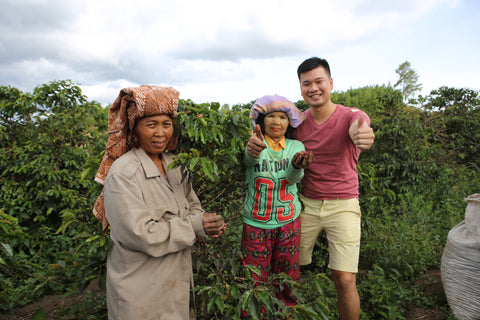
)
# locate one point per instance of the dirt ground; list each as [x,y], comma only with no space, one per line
[432,286]
[49,304]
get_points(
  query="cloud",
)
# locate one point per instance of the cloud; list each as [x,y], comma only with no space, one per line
[212,45]
[35,15]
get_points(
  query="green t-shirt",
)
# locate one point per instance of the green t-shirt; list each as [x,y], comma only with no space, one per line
[271,199]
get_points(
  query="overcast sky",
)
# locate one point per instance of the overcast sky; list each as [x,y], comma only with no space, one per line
[235,51]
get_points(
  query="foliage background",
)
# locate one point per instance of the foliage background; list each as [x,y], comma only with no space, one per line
[424,162]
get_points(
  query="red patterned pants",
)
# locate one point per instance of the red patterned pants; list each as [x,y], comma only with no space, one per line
[273,250]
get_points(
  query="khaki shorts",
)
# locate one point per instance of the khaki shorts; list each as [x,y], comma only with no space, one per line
[341,221]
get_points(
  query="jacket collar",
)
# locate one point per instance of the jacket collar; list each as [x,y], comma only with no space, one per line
[150,168]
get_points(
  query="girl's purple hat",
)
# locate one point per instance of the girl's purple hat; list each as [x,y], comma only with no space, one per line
[272,103]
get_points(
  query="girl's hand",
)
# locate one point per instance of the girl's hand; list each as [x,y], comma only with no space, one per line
[302,160]
[255,144]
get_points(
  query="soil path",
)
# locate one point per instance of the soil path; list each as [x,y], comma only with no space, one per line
[431,284]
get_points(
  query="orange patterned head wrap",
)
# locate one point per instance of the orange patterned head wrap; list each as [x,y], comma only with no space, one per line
[130,105]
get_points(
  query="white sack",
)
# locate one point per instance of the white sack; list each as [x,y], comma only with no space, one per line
[460,267]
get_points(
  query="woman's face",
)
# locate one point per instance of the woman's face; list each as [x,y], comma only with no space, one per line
[154,133]
[276,124]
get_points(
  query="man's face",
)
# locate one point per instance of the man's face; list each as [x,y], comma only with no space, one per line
[315,86]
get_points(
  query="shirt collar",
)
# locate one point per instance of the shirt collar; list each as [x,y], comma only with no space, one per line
[275,146]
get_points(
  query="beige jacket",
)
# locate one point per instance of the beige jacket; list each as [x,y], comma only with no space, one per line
[154,224]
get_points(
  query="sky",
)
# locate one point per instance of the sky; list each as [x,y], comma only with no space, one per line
[235,51]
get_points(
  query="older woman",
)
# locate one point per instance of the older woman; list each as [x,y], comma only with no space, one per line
[154,215]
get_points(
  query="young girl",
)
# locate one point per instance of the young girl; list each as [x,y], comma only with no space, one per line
[271,230]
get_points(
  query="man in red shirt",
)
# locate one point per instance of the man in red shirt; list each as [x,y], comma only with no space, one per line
[335,134]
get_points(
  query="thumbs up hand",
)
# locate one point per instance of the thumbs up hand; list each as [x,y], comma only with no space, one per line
[255,144]
[361,120]
[361,133]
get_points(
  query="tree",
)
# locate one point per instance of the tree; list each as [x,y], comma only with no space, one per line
[454,116]
[46,137]
[45,142]
[407,81]
[371,99]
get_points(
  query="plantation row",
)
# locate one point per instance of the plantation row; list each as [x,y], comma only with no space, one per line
[424,162]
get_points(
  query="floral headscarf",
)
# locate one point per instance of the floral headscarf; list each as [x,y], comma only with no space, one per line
[130,105]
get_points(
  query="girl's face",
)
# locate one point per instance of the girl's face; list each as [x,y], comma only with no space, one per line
[154,133]
[276,124]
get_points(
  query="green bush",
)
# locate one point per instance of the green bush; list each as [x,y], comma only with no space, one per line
[412,182]
[46,138]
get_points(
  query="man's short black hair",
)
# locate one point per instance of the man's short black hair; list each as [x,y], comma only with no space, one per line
[312,63]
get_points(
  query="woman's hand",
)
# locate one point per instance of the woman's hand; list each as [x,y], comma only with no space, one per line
[255,144]
[213,225]
[302,160]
